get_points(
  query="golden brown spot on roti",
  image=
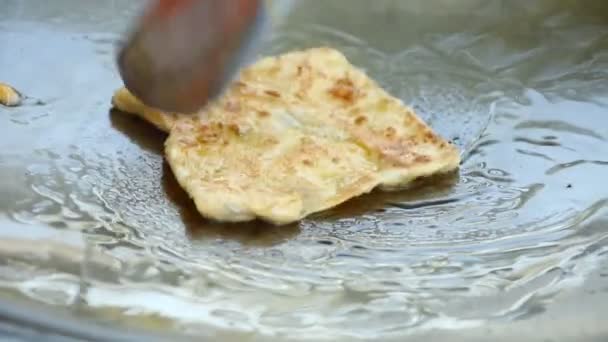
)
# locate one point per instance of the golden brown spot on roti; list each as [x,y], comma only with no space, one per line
[344,89]
[272,93]
[234,128]
[360,120]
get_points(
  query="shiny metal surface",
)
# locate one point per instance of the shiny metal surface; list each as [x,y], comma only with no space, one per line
[515,247]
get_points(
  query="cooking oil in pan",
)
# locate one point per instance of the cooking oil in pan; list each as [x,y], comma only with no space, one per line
[522,223]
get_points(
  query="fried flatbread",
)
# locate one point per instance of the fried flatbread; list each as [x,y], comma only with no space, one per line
[295,134]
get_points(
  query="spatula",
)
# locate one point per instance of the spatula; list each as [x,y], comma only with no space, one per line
[183,53]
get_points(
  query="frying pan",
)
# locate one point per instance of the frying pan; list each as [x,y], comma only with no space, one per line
[97,242]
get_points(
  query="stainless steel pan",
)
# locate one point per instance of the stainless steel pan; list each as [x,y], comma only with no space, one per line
[94,228]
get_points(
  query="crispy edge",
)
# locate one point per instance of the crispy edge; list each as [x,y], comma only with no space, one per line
[125,101]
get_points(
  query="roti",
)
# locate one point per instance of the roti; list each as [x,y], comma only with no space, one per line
[295,134]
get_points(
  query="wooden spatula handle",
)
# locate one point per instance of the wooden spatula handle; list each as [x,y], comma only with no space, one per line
[239,10]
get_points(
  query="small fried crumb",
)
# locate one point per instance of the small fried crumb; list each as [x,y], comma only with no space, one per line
[9,96]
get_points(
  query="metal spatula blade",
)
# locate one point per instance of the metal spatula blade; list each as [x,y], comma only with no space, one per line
[183,53]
